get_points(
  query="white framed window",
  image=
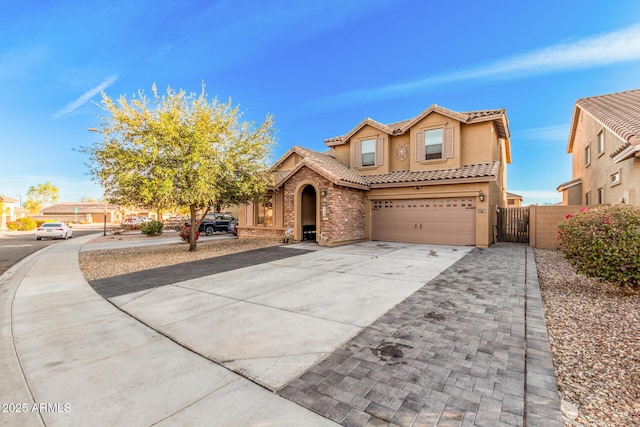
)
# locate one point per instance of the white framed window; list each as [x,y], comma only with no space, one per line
[369,152]
[587,155]
[601,142]
[433,140]
[615,178]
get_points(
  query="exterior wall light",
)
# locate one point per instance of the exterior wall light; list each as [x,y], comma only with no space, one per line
[481,196]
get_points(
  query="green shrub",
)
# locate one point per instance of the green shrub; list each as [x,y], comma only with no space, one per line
[604,242]
[152,228]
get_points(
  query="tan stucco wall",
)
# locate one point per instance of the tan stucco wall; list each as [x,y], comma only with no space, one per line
[479,144]
[473,144]
[290,162]
[598,173]
[396,164]
[343,154]
[433,121]
[369,132]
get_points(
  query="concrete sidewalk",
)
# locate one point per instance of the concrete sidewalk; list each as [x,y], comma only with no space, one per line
[468,348]
[70,358]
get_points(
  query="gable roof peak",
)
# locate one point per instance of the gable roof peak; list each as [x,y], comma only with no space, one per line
[619,112]
[498,116]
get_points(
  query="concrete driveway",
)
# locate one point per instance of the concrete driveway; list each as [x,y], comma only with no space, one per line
[271,322]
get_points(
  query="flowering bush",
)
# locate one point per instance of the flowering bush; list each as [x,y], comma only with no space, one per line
[22,224]
[604,242]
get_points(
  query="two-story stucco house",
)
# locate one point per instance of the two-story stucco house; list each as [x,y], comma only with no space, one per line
[604,142]
[435,178]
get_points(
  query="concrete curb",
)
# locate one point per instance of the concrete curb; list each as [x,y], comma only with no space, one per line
[542,401]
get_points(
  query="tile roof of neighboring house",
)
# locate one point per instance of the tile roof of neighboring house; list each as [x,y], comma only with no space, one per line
[398,128]
[480,172]
[569,184]
[83,207]
[7,199]
[619,112]
[327,166]
[514,196]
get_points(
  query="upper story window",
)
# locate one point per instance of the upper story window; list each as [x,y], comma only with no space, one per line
[369,152]
[600,196]
[601,142]
[434,144]
[587,155]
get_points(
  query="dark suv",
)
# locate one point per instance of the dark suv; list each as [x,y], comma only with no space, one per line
[215,222]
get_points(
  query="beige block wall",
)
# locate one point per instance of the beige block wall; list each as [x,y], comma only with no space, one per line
[544,222]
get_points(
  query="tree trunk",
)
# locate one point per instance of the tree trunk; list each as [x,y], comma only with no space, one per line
[194,229]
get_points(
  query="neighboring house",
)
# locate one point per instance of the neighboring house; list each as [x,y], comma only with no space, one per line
[604,142]
[435,178]
[7,213]
[514,200]
[84,212]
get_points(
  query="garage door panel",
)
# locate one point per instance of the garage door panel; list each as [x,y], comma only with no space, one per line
[439,221]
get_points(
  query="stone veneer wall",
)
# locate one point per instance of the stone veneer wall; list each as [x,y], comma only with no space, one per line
[345,215]
[276,233]
[345,209]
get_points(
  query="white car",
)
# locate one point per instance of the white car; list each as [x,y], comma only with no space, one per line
[54,230]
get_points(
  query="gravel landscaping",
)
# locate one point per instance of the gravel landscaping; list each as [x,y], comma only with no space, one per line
[103,263]
[595,343]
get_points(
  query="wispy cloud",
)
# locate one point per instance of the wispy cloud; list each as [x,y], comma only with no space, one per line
[85,97]
[545,135]
[590,52]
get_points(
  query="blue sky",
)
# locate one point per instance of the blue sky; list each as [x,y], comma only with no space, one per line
[319,67]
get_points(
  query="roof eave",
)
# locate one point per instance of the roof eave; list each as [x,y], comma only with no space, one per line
[627,153]
[432,182]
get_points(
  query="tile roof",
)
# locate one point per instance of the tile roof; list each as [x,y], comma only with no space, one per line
[483,170]
[619,112]
[498,116]
[326,165]
[83,208]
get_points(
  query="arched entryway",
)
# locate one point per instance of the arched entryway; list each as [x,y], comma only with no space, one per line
[308,213]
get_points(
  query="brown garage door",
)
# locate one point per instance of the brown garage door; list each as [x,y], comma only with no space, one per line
[439,221]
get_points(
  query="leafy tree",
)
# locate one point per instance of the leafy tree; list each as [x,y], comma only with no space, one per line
[85,199]
[180,149]
[41,196]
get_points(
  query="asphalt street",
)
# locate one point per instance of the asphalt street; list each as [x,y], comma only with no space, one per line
[17,245]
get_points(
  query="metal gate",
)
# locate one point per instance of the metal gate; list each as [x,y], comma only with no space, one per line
[513,225]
